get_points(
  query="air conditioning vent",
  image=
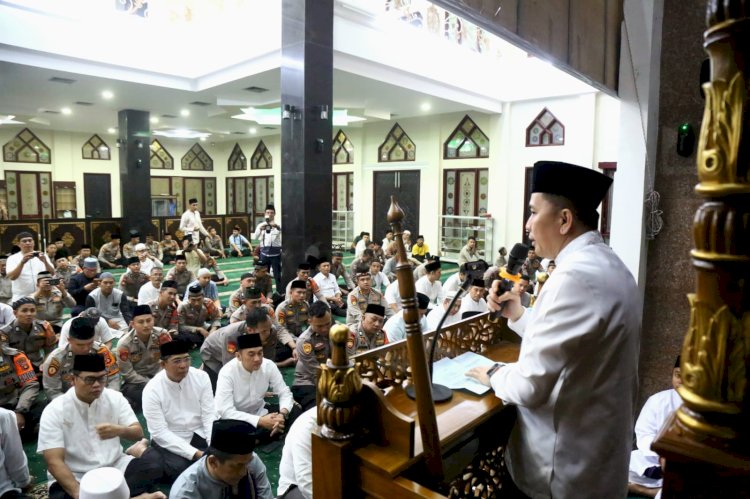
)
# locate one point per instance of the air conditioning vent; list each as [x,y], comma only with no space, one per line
[57,79]
[84,103]
[168,116]
[50,111]
[256,90]
[269,128]
[199,103]
[238,133]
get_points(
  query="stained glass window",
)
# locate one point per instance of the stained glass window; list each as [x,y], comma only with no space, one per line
[237,160]
[26,148]
[465,192]
[197,159]
[261,159]
[466,141]
[397,147]
[342,149]
[95,148]
[545,130]
[160,157]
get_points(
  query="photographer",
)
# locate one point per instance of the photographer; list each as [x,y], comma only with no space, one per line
[24,266]
[269,235]
[51,299]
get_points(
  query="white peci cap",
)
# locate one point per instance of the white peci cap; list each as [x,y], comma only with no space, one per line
[140,247]
[104,483]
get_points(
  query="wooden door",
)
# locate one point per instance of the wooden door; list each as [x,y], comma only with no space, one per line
[405,186]
[97,195]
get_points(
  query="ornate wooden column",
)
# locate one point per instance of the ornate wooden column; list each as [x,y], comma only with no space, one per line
[707,442]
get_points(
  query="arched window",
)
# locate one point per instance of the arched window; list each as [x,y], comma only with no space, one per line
[261,159]
[545,130]
[95,148]
[160,157]
[343,152]
[237,160]
[466,141]
[197,159]
[397,147]
[27,148]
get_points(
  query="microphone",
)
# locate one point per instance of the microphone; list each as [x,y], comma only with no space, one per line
[473,270]
[511,273]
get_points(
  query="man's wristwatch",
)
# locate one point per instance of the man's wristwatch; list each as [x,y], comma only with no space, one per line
[492,370]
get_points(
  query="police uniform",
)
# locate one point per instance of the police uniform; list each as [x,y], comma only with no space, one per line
[293,316]
[65,274]
[139,362]
[265,284]
[131,283]
[313,349]
[181,278]
[19,388]
[240,314]
[40,337]
[128,250]
[6,289]
[110,255]
[359,341]
[358,302]
[311,289]
[191,319]
[165,318]
[50,308]
[57,370]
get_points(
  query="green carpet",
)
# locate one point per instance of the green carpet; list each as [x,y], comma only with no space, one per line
[233,268]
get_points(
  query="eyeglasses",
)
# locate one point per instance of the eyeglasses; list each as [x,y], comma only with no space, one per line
[179,360]
[90,380]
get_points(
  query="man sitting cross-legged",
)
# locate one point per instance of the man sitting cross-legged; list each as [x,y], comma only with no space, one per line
[179,409]
[198,317]
[242,387]
[81,431]
[230,468]
[138,354]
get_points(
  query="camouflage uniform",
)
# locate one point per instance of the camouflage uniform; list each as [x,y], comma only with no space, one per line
[40,338]
[139,362]
[293,316]
[58,369]
[358,302]
[359,341]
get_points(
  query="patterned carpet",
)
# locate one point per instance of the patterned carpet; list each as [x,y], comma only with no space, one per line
[271,456]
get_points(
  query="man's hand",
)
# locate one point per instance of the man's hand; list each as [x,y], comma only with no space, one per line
[512,309]
[480,374]
[107,430]
[113,324]
[20,421]
[295,355]
[62,289]
[272,421]
[203,331]
[151,495]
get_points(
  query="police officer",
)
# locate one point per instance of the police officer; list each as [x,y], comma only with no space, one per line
[362,296]
[198,317]
[57,370]
[138,354]
[368,332]
[180,274]
[293,313]
[251,299]
[132,280]
[313,349]
[33,337]
[311,287]
[19,389]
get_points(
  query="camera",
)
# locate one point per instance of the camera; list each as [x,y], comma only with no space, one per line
[54,281]
[36,254]
[268,226]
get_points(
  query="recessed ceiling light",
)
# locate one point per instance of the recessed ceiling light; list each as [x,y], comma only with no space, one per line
[111,130]
[426,106]
[154,120]
[185,112]
[253,130]
[203,139]
[66,111]
[107,94]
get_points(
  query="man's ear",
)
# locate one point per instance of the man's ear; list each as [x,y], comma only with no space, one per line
[566,218]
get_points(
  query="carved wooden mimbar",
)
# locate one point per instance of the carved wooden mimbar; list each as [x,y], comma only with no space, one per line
[709,434]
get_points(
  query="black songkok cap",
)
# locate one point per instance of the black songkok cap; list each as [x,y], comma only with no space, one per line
[246,275]
[432,266]
[195,290]
[299,284]
[584,187]
[169,284]
[81,328]
[677,362]
[192,200]
[303,266]
[232,436]
[180,256]
[85,246]
[261,265]
[251,340]
[252,293]
[63,253]
[478,282]
[423,301]
[141,310]
[23,301]
[133,259]
[114,236]
[91,362]
[337,253]
[375,309]
[175,347]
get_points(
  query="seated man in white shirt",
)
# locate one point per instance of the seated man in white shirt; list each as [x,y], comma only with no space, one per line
[434,316]
[150,291]
[179,409]
[379,280]
[14,469]
[453,283]
[102,332]
[645,477]
[230,468]
[242,386]
[474,301]
[395,327]
[295,469]
[430,284]
[329,288]
[81,431]
[393,297]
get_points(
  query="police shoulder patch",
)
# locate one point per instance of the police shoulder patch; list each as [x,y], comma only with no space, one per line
[54,367]
[124,354]
[231,347]
[3,337]
[307,348]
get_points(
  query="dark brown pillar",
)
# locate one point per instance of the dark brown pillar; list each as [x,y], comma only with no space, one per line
[135,174]
[307,111]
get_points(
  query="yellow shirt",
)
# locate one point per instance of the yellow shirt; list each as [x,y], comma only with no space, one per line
[417,251]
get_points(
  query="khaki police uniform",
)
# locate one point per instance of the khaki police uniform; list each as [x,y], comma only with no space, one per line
[19,385]
[293,316]
[181,278]
[57,370]
[38,341]
[358,302]
[190,319]
[359,341]
[165,318]
[313,349]
[139,362]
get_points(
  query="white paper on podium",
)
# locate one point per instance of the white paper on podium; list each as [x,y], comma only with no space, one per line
[452,372]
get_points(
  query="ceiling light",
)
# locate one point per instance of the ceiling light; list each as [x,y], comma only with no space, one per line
[203,139]
[66,111]
[253,130]
[111,130]
[185,112]
[107,94]
[9,120]
[181,133]
[426,106]
[154,120]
